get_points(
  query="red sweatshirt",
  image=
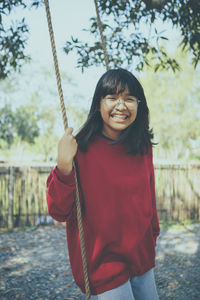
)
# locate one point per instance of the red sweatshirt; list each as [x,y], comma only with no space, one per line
[120,219]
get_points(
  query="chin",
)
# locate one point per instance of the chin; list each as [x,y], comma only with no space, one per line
[119,126]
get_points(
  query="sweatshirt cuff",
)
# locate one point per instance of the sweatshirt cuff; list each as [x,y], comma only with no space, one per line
[66,179]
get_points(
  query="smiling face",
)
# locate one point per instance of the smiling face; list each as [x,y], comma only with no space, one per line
[118,111]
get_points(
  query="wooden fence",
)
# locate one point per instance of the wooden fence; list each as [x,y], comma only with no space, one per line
[178,191]
[23,194]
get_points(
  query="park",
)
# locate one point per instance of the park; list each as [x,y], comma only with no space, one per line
[45,92]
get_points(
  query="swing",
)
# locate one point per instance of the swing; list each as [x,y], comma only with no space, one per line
[64,117]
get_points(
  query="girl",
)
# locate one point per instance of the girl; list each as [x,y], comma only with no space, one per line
[113,156]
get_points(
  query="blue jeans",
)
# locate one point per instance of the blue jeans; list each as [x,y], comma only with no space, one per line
[136,288]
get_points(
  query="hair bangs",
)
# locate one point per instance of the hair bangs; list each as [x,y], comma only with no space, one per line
[117,82]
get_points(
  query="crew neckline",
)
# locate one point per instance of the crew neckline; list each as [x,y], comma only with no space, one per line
[105,137]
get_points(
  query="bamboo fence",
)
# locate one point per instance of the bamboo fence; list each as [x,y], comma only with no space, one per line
[178,191]
[23,194]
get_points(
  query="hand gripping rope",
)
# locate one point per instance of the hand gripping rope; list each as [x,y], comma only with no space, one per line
[64,116]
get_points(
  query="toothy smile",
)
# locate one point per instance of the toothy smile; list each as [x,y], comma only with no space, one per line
[120,117]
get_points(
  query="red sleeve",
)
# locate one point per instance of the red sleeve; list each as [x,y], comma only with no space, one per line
[155,220]
[60,194]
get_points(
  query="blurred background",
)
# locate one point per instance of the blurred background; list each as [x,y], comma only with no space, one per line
[157,40]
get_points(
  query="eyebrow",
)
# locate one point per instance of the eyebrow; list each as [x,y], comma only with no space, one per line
[118,94]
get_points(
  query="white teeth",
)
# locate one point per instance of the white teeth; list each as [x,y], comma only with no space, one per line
[119,116]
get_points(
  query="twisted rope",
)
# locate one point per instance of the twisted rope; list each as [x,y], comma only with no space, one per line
[64,116]
[103,41]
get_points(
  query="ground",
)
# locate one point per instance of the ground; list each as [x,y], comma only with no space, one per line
[34,264]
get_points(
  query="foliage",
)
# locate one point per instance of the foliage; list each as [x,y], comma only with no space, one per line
[174,104]
[45,147]
[46,143]
[13,38]
[26,120]
[37,124]
[122,23]
[177,225]
[7,124]
[12,43]
[22,123]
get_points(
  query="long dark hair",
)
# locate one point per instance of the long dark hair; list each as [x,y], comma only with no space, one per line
[136,137]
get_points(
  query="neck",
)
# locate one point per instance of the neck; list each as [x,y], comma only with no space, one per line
[105,136]
[110,136]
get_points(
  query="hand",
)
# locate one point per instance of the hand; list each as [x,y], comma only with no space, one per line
[67,148]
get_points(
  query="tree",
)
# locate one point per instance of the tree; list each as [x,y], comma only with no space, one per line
[7,124]
[119,18]
[26,123]
[174,104]
[13,38]
[37,124]
[21,123]
[45,143]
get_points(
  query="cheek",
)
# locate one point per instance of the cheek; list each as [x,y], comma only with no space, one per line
[104,112]
[133,116]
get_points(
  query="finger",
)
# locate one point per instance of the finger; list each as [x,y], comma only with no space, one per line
[69,131]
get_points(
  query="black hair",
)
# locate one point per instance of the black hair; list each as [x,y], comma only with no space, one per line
[137,136]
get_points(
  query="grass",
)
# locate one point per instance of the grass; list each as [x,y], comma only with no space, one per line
[177,224]
[163,226]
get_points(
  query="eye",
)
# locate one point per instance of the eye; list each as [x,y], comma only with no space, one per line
[131,99]
[111,98]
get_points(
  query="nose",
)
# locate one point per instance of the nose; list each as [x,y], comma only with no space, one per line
[121,104]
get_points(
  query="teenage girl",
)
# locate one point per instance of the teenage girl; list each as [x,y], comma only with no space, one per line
[113,157]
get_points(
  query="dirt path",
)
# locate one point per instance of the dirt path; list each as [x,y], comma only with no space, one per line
[34,265]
